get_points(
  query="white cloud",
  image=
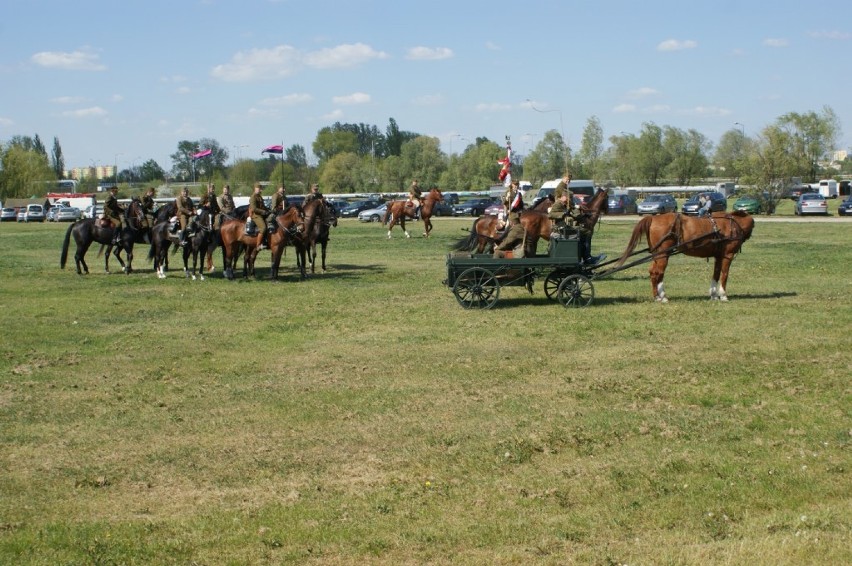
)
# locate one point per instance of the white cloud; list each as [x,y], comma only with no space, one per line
[492,107]
[287,100]
[709,111]
[6,121]
[117,98]
[832,34]
[350,99]
[275,63]
[677,45]
[285,60]
[428,100]
[94,111]
[183,90]
[622,108]
[173,79]
[67,100]
[656,109]
[642,92]
[429,53]
[333,115]
[775,42]
[491,46]
[81,60]
[343,56]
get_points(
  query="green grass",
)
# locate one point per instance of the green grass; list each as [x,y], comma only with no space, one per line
[362,416]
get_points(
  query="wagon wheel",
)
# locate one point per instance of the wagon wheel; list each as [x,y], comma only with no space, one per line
[576,291]
[551,284]
[476,288]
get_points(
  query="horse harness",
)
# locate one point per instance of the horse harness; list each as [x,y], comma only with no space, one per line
[676,232]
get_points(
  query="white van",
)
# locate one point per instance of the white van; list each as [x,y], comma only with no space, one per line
[583,189]
[828,188]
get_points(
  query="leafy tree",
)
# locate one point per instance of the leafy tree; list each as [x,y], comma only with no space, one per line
[23,172]
[184,168]
[732,153]
[295,155]
[395,138]
[549,158]
[771,165]
[686,153]
[422,160]
[340,174]
[56,160]
[591,150]
[151,171]
[330,142]
[648,154]
[243,176]
[38,147]
[813,136]
[475,169]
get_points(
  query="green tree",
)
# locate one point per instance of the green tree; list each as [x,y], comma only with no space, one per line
[395,138]
[184,168]
[731,154]
[24,172]
[57,162]
[422,160]
[330,142]
[549,157]
[591,150]
[686,153]
[341,173]
[648,156]
[771,165]
[813,136]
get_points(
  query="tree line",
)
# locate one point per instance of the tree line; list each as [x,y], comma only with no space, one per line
[357,158]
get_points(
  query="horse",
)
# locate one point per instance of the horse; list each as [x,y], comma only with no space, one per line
[320,235]
[289,232]
[90,230]
[398,210]
[720,236]
[484,232]
[234,240]
[161,240]
[199,243]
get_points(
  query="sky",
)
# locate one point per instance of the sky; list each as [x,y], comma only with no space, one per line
[125,82]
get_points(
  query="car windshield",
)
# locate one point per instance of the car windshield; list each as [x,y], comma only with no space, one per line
[812,197]
[655,198]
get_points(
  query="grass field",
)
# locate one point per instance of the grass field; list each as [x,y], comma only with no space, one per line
[363,417]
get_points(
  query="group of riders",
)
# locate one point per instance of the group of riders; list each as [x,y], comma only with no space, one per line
[562,213]
[260,218]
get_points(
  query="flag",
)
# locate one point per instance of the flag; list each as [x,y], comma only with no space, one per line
[518,201]
[274,149]
[201,154]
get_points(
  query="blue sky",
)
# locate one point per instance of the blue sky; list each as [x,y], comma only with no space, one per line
[127,81]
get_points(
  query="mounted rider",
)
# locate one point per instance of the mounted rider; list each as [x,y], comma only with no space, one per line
[258,212]
[185,210]
[148,206]
[414,194]
[277,204]
[210,202]
[114,212]
[226,205]
[315,194]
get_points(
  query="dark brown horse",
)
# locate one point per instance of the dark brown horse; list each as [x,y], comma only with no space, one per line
[97,230]
[399,210]
[720,236]
[321,235]
[290,231]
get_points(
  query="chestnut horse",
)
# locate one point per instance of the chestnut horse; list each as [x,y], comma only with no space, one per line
[719,236]
[398,210]
[234,240]
[483,233]
[290,231]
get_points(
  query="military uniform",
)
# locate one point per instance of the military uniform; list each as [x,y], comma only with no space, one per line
[512,213]
[562,189]
[513,239]
[279,201]
[185,210]
[258,211]
[226,204]
[114,211]
[148,206]
[209,202]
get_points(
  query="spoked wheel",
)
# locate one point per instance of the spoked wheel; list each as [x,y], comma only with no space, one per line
[551,284]
[476,288]
[576,291]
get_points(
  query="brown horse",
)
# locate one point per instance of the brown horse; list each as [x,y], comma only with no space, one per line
[719,236]
[290,231]
[398,210]
[234,240]
[321,235]
[484,231]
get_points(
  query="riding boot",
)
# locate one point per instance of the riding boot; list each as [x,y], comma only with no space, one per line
[182,241]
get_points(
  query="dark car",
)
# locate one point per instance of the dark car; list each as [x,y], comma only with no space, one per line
[451,198]
[357,206]
[749,204]
[474,207]
[442,209]
[621,204]
[845,208]
[657,204]
[718,203]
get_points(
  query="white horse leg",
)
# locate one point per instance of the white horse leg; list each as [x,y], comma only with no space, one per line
[722,294]
[714,292]
[389,234]
[661,293]
[407,234]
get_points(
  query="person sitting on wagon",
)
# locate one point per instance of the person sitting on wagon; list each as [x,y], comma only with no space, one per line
[515,236]
[560,213]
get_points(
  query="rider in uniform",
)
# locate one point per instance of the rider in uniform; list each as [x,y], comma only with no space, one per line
[258,212]
[185,211]
[226,205]
[277,204]
[115,212]
[210,202]
[562,187]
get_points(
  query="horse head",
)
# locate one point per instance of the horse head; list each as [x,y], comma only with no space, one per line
[135,214]
[591,211]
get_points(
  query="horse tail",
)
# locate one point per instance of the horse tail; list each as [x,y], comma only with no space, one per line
[388,214]
[63,258]
[641,229]
[467,243]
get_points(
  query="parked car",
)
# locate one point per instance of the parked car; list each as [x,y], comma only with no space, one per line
[373,214]
[718,203]
[474,207]
[442,209]
[8,215]
[93,211]
[68,214]
[451,198]
[51,212]
[32,213]
[621,204]
[657,204]
[495,209]
[749,204]
[845,208]
[811,203]
[352,210]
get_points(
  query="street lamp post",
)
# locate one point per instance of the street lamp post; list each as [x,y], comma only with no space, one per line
[742,128]
[115,164]
[561,125]
[530,141]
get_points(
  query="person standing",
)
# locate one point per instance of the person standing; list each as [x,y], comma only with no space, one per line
[114,212]
[185,211]
[258,212]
